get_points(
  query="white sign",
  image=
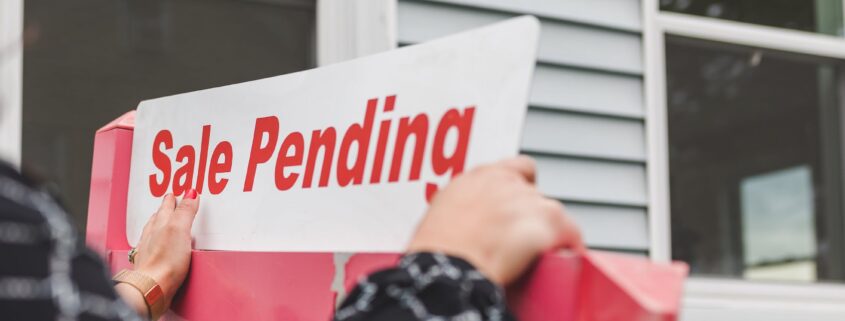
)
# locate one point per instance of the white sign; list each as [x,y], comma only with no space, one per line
[339,158]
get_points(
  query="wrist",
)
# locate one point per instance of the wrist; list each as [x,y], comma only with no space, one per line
[425,261]
[134,299]
[151,294]
[478,261]
[162,278]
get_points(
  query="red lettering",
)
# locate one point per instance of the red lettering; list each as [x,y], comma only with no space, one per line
[360,135]
[184,176]
[162,162]
[430,190]
[206,132]
[325,139]
[223,149]
[381,145]
[463,124]
[296,142]
[419,128]
[258,154]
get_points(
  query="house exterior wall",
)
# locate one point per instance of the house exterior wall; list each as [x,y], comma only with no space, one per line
[585,123]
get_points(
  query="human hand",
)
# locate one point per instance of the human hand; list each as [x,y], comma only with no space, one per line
[494,217]
[164,251]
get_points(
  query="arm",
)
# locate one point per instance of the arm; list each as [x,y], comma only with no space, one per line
[490,223]
[48,257]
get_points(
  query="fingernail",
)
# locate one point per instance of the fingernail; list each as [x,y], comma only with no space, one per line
[191,194]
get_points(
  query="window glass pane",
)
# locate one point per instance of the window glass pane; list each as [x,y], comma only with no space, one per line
[89,61]
[755,162]
[822,16]
[778,225]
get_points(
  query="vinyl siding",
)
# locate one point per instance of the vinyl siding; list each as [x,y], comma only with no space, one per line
[585,122]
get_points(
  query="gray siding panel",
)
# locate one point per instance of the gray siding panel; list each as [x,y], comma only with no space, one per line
[552,132]
[612,227]
[592,181]
[586,91]
[618,14]
[560,43]
[590,48]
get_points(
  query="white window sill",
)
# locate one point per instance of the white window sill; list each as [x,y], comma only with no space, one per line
[725,300]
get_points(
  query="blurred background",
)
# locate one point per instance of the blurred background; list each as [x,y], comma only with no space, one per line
[707,131]
[87,62]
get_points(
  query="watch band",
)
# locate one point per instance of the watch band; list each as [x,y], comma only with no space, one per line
[153,295]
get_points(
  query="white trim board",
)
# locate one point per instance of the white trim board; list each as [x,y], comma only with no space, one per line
[11,78]
[657,151]
[349,29]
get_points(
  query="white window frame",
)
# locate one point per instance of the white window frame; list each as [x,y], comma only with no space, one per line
[713,298]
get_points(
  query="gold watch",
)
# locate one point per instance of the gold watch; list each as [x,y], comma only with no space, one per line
[153,295]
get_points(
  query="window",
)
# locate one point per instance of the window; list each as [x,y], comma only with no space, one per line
[755,159]
[822,16]
[89,61]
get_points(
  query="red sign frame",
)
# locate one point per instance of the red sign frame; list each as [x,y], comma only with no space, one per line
[236,285]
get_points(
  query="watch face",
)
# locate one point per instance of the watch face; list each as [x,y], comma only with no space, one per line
[153,295]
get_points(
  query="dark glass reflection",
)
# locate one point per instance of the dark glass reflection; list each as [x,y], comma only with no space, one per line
[755,162]
[822,16]
[89,61]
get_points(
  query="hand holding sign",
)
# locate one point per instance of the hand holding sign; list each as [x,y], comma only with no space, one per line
[164,252]
[163,255]
[494,217]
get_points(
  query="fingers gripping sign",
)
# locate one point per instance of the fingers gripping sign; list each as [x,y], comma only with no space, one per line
[523,165]
[495,218]
[164,251]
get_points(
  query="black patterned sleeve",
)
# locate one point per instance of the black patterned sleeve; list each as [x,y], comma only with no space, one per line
[425,286]
[46,272]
